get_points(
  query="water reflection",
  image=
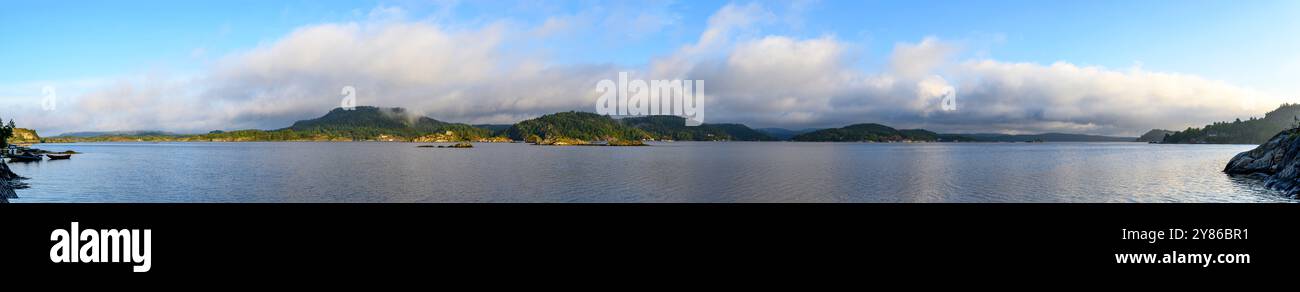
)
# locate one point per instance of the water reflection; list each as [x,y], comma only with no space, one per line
[665,172]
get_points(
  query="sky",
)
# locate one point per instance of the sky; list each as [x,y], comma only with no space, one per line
[1095,67]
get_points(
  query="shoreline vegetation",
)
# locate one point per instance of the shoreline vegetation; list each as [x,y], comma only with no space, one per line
[1250,131]
[572,128]
[10,181]
[877,133]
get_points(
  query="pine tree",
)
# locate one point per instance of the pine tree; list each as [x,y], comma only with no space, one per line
[5,133]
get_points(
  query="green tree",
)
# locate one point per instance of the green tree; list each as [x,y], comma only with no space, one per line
[674,127]
[575,125]
[1254,130]
[5,133]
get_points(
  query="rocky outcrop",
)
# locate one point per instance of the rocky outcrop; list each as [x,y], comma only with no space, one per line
[1276,162]
[626,143]
[457,145]
[560,141]
[497,139]
[1156,135]
[9,181]
[25,136]
[448,136]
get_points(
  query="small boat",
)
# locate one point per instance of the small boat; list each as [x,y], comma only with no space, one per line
[58,156]
[24,158]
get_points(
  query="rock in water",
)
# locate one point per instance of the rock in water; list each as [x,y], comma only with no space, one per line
[6,174]
[6,191]
[8,182]
[626,143]
[1276,162]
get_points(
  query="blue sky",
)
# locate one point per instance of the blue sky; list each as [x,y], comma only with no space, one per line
[81,45]
[52,40]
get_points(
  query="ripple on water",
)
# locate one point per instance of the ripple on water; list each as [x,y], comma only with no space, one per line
[665,172]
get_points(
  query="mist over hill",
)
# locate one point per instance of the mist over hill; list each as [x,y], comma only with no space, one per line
[368,123]
[674,128]
[1250,131]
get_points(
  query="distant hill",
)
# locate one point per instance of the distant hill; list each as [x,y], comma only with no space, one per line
[875,133]
[1251,131]
[784,134]
[117,133]
[24,136]
[740,132]
[572,125]
[1047,137]
[1155,135]
[367,122]
[493,128]
[364,123]
[674,128]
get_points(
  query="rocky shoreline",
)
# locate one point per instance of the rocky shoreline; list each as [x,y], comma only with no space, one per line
[9,181]
[1276,163]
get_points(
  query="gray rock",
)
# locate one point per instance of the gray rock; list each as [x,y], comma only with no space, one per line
[9,181]
[6,192]
[1276,162]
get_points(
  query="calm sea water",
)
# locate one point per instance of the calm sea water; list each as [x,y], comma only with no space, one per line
[665,172]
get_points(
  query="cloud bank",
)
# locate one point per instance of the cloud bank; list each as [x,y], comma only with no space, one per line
[480,75]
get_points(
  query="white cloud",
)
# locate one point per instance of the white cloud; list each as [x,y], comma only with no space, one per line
[452,75]
[474,75]
[461,76]
[773,75]
[387,13]
[615,23]
[729,19]
[553,26]
[1100,98]
[722,28]
[914,60]
[790,82]
[782,81]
